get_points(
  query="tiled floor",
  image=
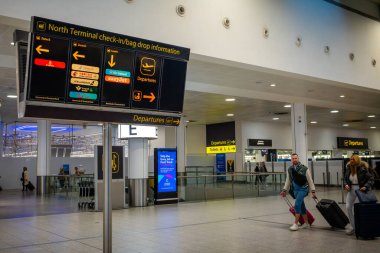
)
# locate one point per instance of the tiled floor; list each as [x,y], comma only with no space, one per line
[240,225]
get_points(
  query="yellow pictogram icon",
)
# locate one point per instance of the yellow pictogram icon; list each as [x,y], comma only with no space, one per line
[137,95]
[76,55]
[41,26]
[147,66]
[39,49]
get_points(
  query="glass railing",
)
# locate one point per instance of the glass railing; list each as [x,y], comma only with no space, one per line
[234,185]
[67,184]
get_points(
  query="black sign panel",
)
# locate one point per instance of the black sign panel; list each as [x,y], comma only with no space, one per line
[352,143]
[259,142]
[48,68]
[85,69]
[221,134]
[80,65]
[117,77]
[117,162]
[146,82]
[173,85]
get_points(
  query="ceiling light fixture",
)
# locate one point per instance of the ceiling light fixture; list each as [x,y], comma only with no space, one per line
[230,114]
[273,85]
[371,116]
[313,122]
[287,106]
[12,43]
[334,111]
[230,99]
[11,96]
[373,127]
[342,96]
[345,125]
[276,118]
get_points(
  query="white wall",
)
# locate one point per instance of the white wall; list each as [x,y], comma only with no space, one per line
[280,134]
[318,23]
[196,140]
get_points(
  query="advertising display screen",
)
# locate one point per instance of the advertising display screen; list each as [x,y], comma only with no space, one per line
[165,173]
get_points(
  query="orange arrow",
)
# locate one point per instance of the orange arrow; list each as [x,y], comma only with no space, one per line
[111,63]
[77,55]
[152,97]
[39,49]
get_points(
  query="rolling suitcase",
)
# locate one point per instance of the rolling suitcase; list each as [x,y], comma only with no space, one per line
[367,220]
[310,217]
[30,186]
[332,213]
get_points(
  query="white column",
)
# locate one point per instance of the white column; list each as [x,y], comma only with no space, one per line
[43,154]
[299,131]
[43,147]
[138,170]
[181,146]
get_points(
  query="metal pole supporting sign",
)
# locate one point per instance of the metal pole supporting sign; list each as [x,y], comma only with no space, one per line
[107,177]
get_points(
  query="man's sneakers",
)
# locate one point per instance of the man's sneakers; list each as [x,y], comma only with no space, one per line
[305,226]
[293,227]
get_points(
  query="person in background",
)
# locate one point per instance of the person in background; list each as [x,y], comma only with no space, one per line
[356,177]
[25,179]
[263,169]
[300,177]
[76,171]
[258,178]
[61,177]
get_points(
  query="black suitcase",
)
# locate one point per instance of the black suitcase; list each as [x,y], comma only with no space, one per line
[30,186]
[367,220]
[332,213]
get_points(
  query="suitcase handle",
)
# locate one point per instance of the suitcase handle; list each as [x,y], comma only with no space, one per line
[288,201]
[316,200]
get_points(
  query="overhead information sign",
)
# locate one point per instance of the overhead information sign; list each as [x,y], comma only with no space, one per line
[352,143]
[70,64]
[220,138]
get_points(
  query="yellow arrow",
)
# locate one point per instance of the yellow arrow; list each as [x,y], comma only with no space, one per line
[77,55]
[176,121]
[111,63]
[152,97]
[39,49]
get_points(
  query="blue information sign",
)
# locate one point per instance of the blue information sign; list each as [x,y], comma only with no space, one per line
[220,166]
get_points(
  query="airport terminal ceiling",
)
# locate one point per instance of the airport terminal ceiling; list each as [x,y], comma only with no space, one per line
[211,81]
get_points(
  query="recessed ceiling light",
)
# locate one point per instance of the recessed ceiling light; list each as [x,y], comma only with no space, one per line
[11,96]
[230,99]
[287,106]
[187,121]
[100,124]
[334,111]
[313,122]
[230,114]
[345,125]
[342,96]
[371,116]
[276,118]
[272,85]
[12,43]
[373,127]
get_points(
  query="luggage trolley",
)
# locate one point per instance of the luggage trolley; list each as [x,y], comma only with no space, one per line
[86,195]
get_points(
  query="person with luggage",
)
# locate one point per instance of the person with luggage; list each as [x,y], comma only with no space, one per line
[298,177]
[25,179]
[258,178]
[356,177]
